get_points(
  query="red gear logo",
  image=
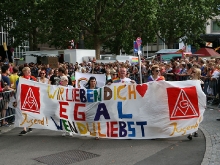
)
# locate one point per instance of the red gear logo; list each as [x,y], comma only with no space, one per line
[30,98]
[183,103]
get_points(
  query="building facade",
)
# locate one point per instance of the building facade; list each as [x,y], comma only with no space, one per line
[5,37]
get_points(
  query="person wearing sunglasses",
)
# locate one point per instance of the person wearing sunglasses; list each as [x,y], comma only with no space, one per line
[115,77]
[42,78]
[155,76]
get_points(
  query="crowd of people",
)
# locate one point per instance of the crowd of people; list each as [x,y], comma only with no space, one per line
[207,71]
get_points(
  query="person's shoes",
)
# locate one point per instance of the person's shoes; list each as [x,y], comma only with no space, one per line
[6,125]
[195,134]
[23,133]
[11,123]
[70,134]
[64,134]
[30,130]
[218,119]
[189,137]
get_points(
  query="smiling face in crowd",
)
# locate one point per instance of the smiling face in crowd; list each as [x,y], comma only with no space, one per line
[123,73]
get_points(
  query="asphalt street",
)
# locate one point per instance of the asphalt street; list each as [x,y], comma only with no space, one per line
[42,147]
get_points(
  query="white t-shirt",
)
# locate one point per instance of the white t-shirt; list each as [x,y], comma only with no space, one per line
[45,82]
[126,80]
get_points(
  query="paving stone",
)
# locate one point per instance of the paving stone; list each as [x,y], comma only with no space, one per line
[210,127]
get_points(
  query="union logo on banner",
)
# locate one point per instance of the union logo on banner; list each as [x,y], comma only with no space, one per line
[183,103]
[30,98]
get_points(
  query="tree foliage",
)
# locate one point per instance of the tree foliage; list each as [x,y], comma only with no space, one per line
[30,21]
[182,19]
[112,23]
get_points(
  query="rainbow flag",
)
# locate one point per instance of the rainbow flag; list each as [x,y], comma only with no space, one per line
[116,80]
[134,60]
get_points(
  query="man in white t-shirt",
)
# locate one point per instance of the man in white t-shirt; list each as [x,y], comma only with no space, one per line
[122,78]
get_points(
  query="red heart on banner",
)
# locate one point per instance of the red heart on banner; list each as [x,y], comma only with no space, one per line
[142,89]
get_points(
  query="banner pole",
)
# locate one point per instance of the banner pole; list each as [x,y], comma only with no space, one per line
[140,68]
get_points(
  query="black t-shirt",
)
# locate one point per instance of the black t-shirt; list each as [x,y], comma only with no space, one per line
[103,70]
[55,80]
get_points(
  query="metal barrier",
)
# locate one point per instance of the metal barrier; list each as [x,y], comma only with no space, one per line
[6,99]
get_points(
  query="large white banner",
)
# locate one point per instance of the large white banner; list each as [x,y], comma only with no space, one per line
[153,110]
[82,79]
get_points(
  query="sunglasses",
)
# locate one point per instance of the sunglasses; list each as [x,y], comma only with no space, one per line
[157,70]
[42,73]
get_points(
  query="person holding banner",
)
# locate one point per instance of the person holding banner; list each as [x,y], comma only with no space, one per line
[122,77]
[27,75]
[64,82]
[42,78]
[155,74]
[195,75]
[91,84]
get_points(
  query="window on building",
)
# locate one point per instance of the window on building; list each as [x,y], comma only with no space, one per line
[215,26]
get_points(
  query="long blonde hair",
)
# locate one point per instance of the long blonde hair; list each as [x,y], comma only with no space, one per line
[197,75]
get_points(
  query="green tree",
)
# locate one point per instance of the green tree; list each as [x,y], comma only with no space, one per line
[28,21]
[182,19]
[64,19]
[142,26]
[102,20]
